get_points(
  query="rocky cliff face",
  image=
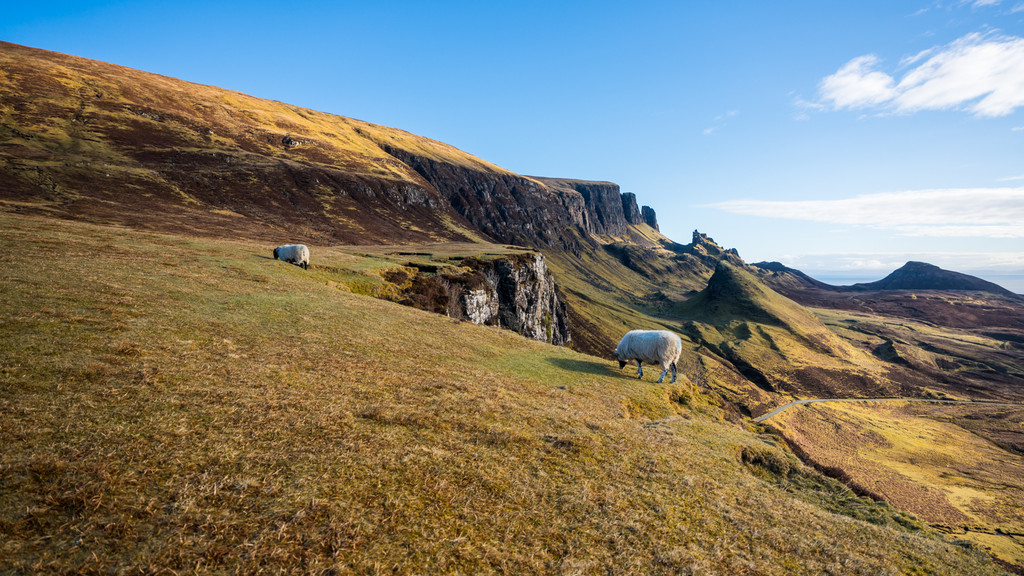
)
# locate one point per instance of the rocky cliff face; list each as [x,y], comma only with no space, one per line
[604,209]
[528,301]
[508,208]
[529,211]
[516,292]
[650,218]
[630,210]
[603,205]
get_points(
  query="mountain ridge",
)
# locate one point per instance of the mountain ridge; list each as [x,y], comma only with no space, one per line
[326,177]
[911,276]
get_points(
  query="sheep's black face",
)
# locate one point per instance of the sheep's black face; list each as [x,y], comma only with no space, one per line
[622,364]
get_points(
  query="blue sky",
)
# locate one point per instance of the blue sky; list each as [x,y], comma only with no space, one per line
[838,138]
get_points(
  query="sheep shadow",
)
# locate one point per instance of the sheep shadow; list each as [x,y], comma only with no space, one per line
[585,366]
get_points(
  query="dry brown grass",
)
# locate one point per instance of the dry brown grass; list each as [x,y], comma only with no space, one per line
[921,461]
[182,405]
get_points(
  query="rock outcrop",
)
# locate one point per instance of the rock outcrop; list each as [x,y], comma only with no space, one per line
[528,300]
[650,218]
[506,207]
[516,292]
[630,211]
[605,211]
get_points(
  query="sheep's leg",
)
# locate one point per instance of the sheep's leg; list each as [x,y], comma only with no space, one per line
[639,370]
[662,377]
[673,365]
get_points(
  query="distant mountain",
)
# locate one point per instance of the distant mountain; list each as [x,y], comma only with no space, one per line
[922,276]
[911,276]
[781,276]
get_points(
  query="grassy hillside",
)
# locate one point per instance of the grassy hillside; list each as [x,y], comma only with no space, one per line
[946,464]
[191,404]
[775,342]
[100,142]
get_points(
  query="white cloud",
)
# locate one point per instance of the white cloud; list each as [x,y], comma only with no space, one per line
[857,85]
[983,74]
[962,212]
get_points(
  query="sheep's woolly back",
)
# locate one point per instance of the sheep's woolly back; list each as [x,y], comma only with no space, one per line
[651,346]
[297,254]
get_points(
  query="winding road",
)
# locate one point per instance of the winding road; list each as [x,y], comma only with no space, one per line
[764,417]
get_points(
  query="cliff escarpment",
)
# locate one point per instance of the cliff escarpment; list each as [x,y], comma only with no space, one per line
[528,210]
[605,208]
[506,207]
[514,291]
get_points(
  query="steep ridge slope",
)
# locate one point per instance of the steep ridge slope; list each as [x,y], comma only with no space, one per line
[92,140]
[86,139]
[775,342]
[103,143]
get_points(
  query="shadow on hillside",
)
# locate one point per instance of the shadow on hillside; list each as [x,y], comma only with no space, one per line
[587,366]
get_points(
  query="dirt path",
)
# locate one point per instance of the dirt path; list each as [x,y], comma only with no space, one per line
[764,417]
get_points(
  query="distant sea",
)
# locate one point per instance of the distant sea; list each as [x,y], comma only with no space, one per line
[1012,282]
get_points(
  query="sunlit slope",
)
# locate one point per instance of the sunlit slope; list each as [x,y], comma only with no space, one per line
[193,405]
[634,280]
[774,341]
[923,460]
[102,142]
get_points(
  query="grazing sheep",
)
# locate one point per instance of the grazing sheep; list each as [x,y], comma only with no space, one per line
[653,346]
[297,254]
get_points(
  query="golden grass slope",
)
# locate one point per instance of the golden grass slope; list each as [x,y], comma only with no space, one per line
[191,405]
[209,115]
[105,143]
[776,342]
[923,462]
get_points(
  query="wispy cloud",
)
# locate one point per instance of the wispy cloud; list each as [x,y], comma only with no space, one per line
[980,73]
[720,121]
[960,212]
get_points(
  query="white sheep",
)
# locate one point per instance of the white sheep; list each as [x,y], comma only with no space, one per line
[652,346]
[297,254]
